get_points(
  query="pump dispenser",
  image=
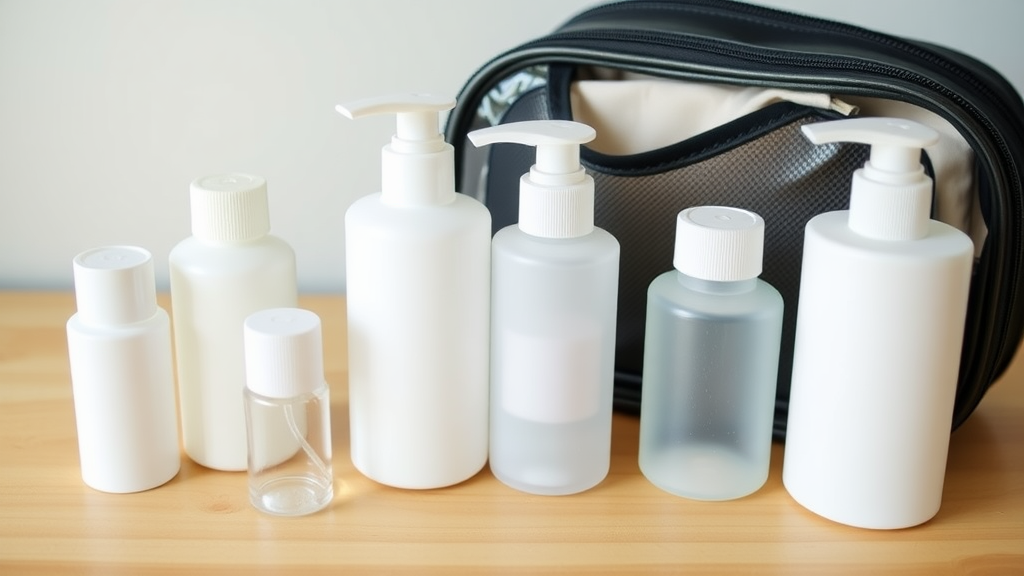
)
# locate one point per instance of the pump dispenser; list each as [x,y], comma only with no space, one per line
[554,289]
[417,263]
[880,324]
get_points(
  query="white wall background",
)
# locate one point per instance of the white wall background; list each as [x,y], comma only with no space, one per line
[109,108]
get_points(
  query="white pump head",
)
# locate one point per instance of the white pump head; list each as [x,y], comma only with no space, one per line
[418,167]
[891,196]
[556,197]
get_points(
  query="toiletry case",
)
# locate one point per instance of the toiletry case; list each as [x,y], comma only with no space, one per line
[700,102]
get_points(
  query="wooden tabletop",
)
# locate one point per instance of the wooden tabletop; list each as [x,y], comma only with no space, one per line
[201,521]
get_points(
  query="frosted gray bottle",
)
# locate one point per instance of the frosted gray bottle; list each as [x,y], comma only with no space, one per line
[554,287]
[711,353]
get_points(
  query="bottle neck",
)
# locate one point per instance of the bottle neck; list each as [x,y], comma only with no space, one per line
[716,287]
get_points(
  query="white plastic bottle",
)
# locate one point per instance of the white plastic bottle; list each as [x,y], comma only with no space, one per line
[880,324]
[417,263]
[119,347]
[554,288]
[229,268]
[711,360]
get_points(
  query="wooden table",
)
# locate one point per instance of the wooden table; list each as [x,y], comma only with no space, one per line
[201,521]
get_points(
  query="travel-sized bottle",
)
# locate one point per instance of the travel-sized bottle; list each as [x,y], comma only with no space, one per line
[417,265]
[554,286]
[287,410]
[711,359]
[883,298]
[229,268]
[119,347]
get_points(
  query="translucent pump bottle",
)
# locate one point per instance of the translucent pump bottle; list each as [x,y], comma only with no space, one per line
[229,268]
[417,264]
[287,409]
[555,283]
[119,347]
[883,298]
[711,358]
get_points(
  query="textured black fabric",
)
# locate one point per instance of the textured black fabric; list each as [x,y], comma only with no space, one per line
[760,162]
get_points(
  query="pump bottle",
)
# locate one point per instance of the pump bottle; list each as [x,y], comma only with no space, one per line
[229,268]
[880,324]
[417,263]
[554,288]
[711,359]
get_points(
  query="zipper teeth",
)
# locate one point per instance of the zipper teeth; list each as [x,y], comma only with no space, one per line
[774,18]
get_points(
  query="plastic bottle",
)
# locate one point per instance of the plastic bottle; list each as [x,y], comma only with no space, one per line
[880,324]
[711,359]
[229,268]
[287,410]
[555,282]
[119,347]
[417,262]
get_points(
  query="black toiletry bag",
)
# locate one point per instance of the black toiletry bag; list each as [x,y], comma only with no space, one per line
[700,101]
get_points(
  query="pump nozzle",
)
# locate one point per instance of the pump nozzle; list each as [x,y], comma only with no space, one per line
[418,167]
[891,196]
[556,198]
[895,143]
[557,142]
[417,117]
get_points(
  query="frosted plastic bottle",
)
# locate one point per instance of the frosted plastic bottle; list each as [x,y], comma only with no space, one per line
[880,324]
[417,263]
[229,268]
[711,358]
[119,347]
[554,288]
[287,410]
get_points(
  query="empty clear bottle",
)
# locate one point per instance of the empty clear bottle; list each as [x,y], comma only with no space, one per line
[287,410]
[711,353]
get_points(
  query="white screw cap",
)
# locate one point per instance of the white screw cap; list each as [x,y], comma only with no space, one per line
[719,243]
[283,352]
[114,285]
[229,208]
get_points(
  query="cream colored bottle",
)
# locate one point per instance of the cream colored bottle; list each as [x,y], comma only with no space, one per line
[229,268]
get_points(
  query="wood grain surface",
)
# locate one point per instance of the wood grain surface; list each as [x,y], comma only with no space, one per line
[202,522]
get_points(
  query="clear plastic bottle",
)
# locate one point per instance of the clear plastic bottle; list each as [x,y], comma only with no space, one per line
[119,347]
[879,330]
[287,409]
[554,288]
[229,268]
[417,266]
[711,357]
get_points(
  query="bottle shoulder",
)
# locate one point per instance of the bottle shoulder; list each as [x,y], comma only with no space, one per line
[157,324]
[370,212]
[193,253]
[668,292]
[831,231]
[597,245]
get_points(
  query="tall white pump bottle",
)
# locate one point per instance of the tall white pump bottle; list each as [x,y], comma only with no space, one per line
[554,289]
[883,299]
[417,262]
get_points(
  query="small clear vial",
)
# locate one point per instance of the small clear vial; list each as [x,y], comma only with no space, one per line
[711,354]
[287,411]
